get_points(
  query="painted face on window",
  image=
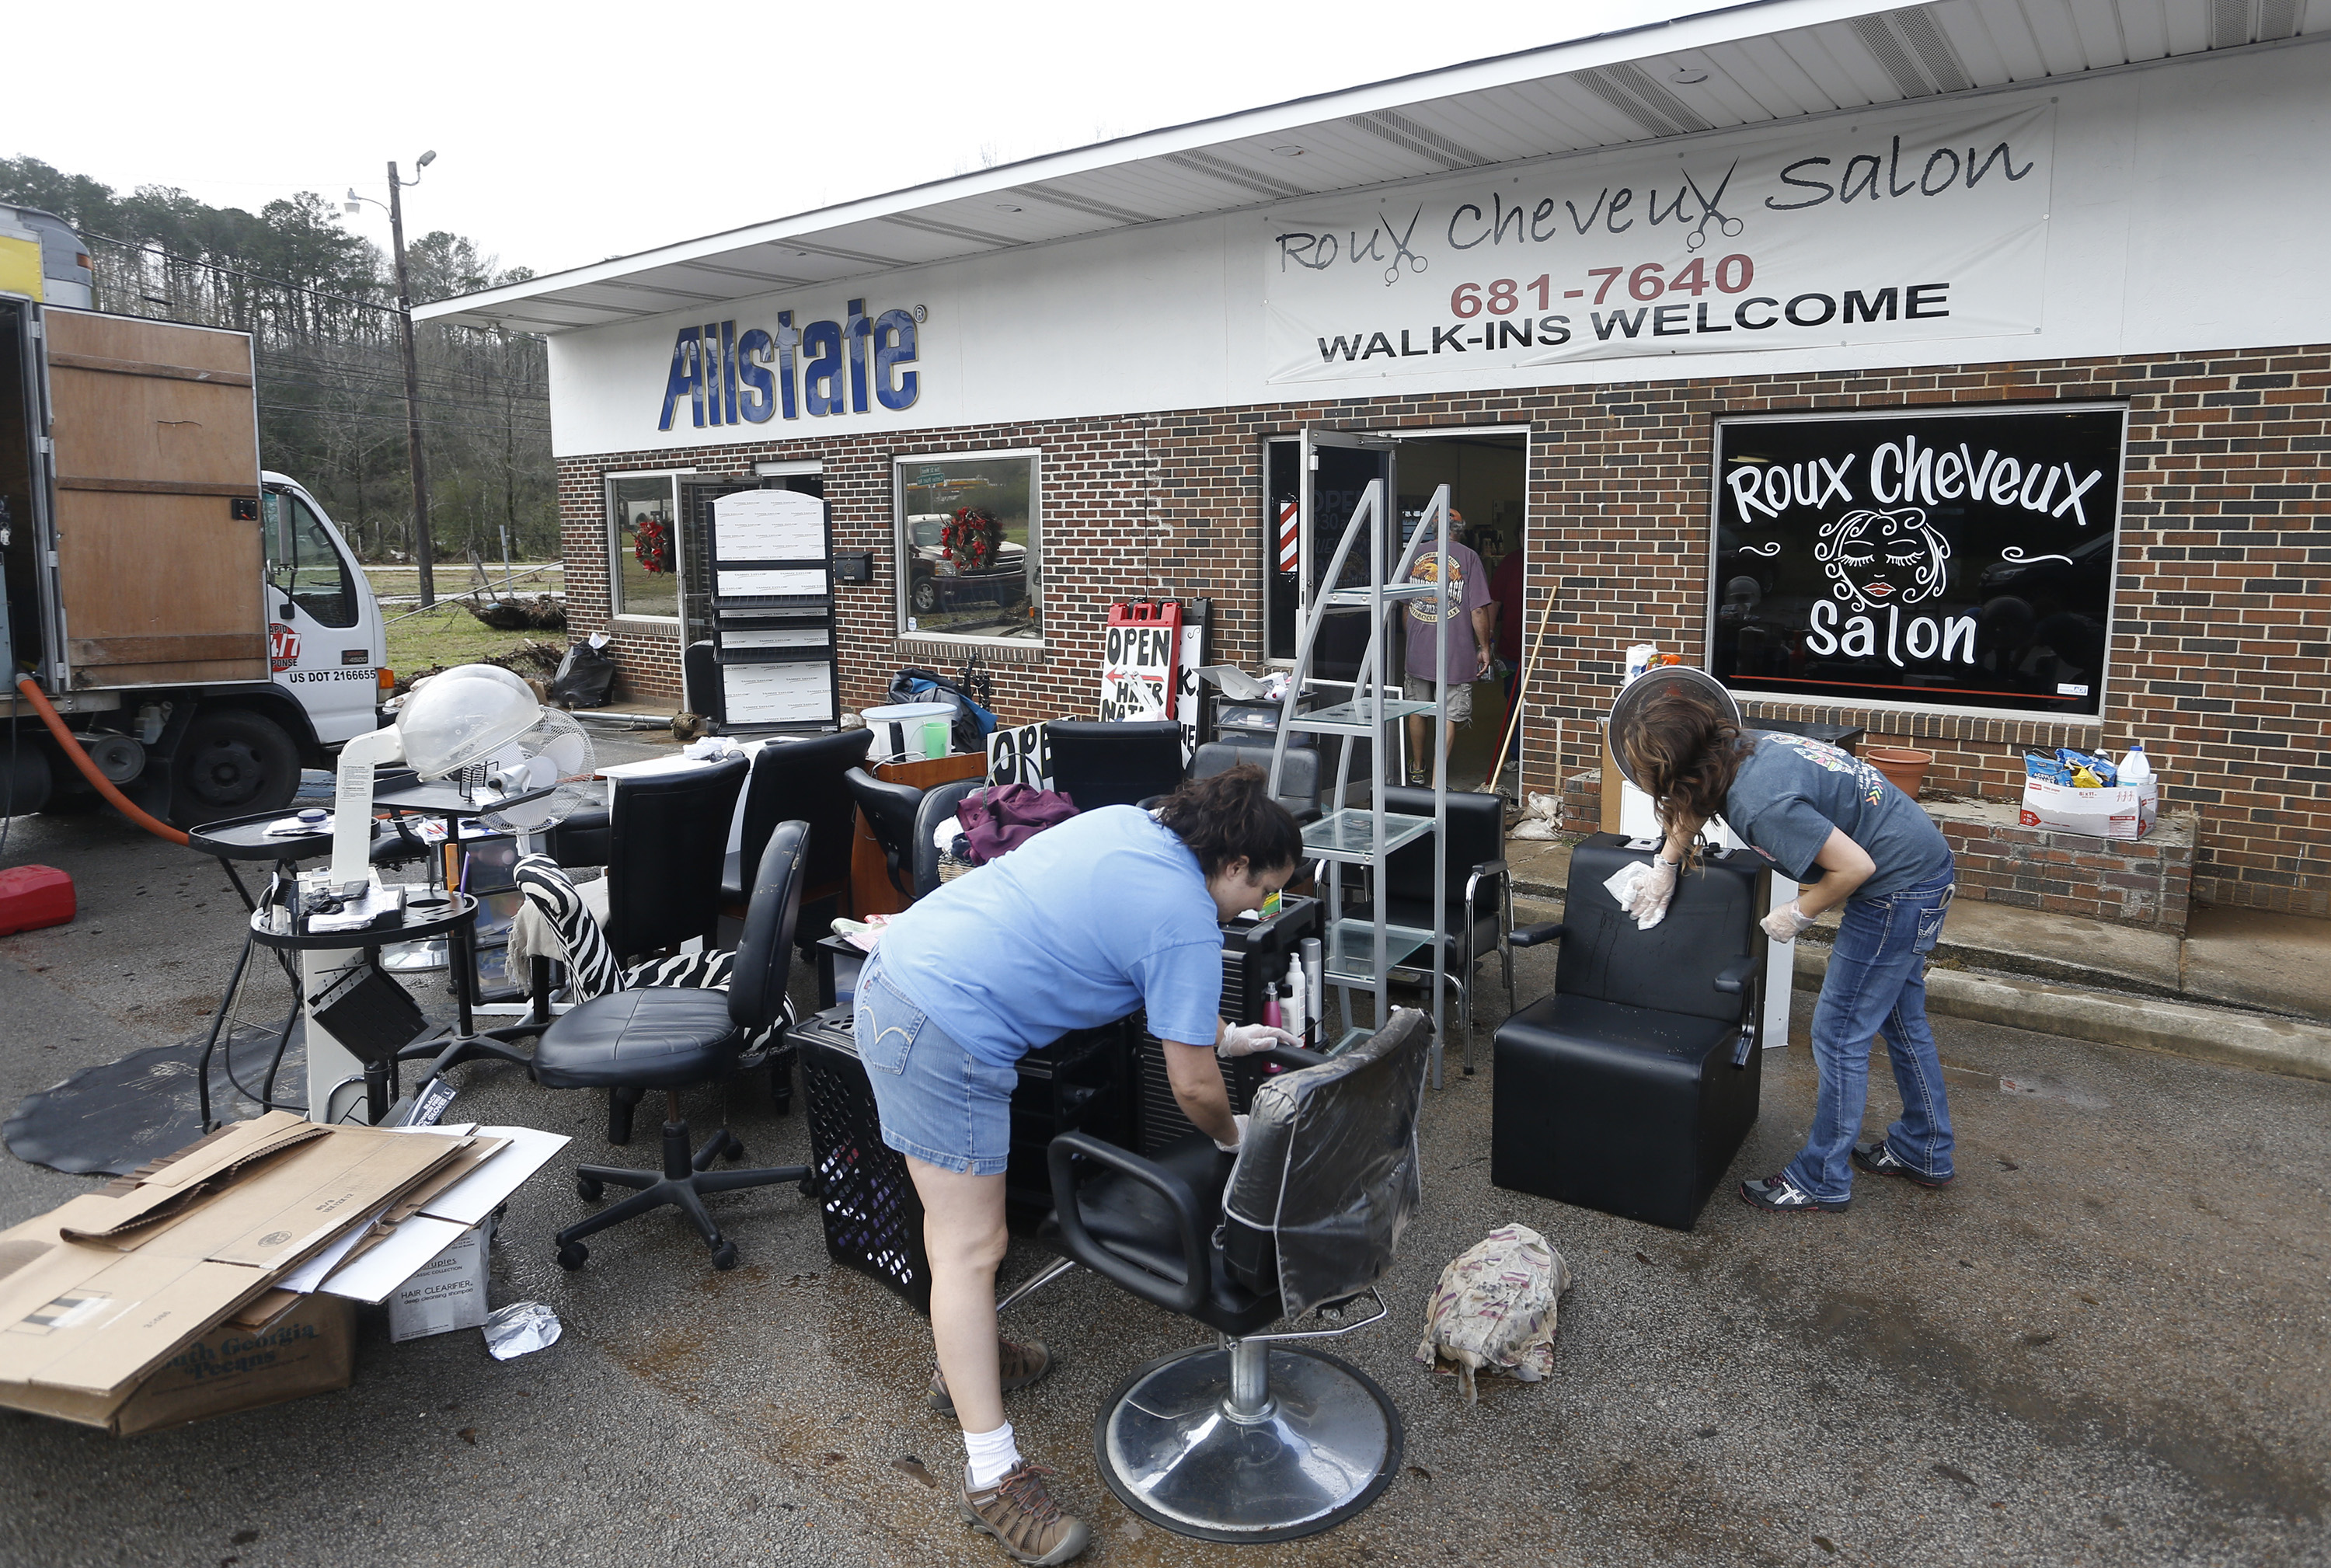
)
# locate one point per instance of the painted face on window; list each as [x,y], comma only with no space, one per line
[1876,559]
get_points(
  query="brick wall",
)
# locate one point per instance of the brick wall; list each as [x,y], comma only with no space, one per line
[2222,643]
[2145,881]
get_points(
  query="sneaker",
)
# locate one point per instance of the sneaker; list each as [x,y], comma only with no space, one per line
[1881,1160]
[1021,1365]
[1776,1194]
[1020,1513]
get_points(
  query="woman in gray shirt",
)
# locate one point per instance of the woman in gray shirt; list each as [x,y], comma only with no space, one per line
[1829,820]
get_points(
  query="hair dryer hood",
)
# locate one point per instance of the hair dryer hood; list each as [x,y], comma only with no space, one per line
[464,715]
[1649,684]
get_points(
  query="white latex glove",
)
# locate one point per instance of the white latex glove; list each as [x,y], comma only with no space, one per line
[1246,1039]
[1786,922]
[1653,889]
[1232,1147]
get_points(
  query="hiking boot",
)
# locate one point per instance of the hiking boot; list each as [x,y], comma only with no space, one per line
[1020,1513]
[1020,1364]
[1776,1194]
[1881,1160]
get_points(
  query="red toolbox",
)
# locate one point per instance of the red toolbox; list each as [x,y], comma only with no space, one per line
[32,897]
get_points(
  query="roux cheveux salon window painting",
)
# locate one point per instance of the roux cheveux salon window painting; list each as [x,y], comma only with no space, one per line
[1955,560]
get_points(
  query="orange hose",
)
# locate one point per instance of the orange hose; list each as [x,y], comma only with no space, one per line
[79,759]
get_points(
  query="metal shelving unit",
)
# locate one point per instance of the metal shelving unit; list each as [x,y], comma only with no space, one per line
[1361,954]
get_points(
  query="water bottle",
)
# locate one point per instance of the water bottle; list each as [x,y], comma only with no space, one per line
[2134,768]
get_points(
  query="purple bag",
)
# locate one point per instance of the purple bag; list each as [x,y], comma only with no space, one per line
[996,820]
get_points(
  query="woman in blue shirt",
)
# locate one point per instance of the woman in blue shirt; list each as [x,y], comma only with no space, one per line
[1112,910]
[1831,820]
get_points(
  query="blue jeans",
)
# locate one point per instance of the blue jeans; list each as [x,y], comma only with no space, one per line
[1877,983]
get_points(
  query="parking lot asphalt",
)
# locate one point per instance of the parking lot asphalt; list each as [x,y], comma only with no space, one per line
[2105,1344]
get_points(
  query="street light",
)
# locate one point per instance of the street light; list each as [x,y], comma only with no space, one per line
[423,554]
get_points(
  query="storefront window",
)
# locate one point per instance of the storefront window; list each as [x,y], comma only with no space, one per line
[646,545]
[968,545]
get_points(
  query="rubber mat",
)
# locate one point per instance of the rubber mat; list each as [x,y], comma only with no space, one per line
[112,1119]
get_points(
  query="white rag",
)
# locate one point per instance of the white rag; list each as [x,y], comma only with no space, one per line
[1620,885]
[532,936]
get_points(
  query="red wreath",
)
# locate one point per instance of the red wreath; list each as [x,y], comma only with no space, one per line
[970,539]
[652,544]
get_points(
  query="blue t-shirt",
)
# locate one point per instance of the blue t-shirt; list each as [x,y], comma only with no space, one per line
[1792,792]
[1077,927]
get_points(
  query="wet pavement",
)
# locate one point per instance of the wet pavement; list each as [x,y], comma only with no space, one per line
[2105,1344]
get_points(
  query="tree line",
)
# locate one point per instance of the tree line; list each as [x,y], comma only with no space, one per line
[319,303]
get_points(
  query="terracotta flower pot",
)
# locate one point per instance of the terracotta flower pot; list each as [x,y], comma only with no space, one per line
[1904,768]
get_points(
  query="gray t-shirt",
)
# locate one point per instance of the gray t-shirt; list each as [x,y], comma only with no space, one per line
[1792,792]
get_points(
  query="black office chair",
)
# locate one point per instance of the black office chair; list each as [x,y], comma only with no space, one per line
[699,683]
[1298,775]
[1478,910]
[1251,1439]
[889,810]
[801,781]
[1630,1089]
[677,1038]
[938,804]
[1100,765]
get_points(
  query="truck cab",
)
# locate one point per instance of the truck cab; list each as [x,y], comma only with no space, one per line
[325,639]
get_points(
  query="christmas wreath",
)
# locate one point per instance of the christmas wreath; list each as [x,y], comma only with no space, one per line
[970,539]
[652,544]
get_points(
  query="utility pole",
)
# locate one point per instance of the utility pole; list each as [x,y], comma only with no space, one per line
[422,555]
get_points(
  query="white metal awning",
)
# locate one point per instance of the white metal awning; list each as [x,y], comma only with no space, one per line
[1750,64]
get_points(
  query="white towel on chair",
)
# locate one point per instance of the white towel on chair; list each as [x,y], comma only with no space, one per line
[532,936]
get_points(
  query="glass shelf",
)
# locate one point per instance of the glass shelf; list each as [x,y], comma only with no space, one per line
[1393,593]
[1350,950]
[1349,835]
[1365,716]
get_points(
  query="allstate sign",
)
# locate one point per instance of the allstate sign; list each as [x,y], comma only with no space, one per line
[723,376]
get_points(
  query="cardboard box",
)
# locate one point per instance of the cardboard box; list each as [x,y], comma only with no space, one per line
[99,1294]
[447,1294]
[311,1349]
[2122,811]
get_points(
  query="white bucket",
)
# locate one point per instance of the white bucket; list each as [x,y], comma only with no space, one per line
[905,731]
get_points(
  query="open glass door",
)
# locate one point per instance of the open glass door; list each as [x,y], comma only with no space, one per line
[1333,468]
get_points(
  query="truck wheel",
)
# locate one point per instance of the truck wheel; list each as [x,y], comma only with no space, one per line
[232,763]
[926,595]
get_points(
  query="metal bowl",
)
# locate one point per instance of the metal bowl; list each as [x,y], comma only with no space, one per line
[1626,712]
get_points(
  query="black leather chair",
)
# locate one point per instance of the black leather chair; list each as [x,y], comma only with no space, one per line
[801,781]
[1298,776]
[677,1038]
[667,843]
[1630,1089]
[1478,907]
[938,804]
[889,810]
[699,682]
[1253,1439]
[1098,765]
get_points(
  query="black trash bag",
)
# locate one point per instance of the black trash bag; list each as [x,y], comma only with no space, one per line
[585,676]
[973,724]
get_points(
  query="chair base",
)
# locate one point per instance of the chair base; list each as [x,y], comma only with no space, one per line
[681,1184]
[1321,1441]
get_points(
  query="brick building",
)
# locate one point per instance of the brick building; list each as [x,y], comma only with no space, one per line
[2090,233]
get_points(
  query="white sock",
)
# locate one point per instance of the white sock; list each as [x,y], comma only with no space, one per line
[992,1455]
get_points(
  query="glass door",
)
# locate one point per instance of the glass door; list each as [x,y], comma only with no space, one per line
[1333,469]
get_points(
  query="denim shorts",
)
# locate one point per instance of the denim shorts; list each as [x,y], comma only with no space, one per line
[938,1103]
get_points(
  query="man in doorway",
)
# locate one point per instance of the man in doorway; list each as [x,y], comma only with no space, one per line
[1469,633]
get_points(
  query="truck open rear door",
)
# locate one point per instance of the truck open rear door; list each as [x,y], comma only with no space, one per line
[158,502]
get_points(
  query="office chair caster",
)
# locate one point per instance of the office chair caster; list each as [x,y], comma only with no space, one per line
[573,1256]
[724,1256]
[590,1188]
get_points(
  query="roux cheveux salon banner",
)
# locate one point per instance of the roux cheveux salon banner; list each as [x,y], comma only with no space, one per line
[1870,229]
[1961,561]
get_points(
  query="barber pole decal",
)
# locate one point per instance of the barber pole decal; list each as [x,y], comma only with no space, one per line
[1288,536]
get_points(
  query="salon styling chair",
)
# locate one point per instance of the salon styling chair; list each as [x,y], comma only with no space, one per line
[801,781]
[1256,1438]
[938,804]
[1098,765]
[1631,1087]
[1299,775]
[890,809]
[1478,906]
[677,1038]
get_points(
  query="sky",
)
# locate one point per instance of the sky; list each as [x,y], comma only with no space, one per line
[567,134]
